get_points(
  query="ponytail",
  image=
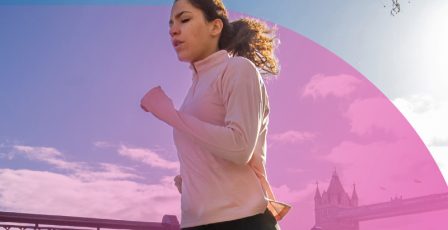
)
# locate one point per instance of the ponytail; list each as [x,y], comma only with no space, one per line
[254,40]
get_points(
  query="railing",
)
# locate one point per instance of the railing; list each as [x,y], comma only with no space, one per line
[396,208]
[23,221]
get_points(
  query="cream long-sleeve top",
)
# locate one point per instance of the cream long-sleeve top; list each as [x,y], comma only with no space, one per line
[220,135]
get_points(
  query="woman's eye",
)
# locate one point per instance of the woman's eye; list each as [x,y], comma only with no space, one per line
[185,20]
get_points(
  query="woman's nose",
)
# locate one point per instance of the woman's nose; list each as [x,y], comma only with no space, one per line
[174,30]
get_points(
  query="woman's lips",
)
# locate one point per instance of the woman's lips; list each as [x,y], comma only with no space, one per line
[177,43]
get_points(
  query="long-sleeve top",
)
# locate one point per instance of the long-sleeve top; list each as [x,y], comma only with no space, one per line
[220,135]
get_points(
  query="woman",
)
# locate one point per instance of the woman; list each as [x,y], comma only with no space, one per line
[220,129]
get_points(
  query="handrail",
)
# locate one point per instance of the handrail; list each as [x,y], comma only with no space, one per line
[169,222]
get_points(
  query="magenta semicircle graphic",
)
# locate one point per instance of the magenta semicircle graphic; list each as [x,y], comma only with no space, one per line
[339,150]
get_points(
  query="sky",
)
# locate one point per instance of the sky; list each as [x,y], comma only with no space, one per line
[72,75]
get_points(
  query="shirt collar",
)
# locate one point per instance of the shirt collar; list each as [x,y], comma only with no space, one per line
[210,61]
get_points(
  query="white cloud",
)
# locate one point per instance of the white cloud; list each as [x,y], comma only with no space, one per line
[52,193]
[428,116]
[148,157]
[87,171]
[141,155]
[82,170]
[292,136]
[321,86]
[440,155]
[377,113]
[415,104]
[40,152]
[49,155]
[107,171]
[101,190]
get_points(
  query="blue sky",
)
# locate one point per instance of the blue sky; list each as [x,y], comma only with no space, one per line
[383,48]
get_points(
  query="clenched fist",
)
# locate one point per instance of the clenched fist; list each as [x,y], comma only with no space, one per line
[159,104]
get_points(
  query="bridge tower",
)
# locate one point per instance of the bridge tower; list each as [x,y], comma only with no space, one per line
[330,202]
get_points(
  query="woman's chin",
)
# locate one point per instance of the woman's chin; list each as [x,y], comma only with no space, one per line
[182,58]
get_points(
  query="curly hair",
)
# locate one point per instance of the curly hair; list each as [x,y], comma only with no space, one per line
[246,37]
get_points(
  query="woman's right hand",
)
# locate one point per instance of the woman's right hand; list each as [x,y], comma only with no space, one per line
[178,183]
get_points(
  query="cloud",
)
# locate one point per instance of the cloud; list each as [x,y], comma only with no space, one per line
[376,113]
[286,194]
[48,155]
[422,113]
[52,193]
[439,142]
[292,136]
[148,157]
[101,190]
[416,103]
[301,214]
[90,171]
[440,155]
[39,152]
[142,155]
[82,170]
[383,169]
[428,116]
[321,86]
[107,171]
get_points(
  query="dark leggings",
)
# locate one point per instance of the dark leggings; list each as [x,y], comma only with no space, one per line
[262,221]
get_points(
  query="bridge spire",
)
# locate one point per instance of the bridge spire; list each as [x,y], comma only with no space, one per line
[335,186]
[317,196]
[354,199]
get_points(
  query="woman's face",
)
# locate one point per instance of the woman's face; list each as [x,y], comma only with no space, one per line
[192,36]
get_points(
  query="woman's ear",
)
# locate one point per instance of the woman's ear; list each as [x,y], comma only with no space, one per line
[216,27]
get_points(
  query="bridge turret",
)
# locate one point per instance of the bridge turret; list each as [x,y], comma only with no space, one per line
[354,200]
[332,201]
[317,196]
